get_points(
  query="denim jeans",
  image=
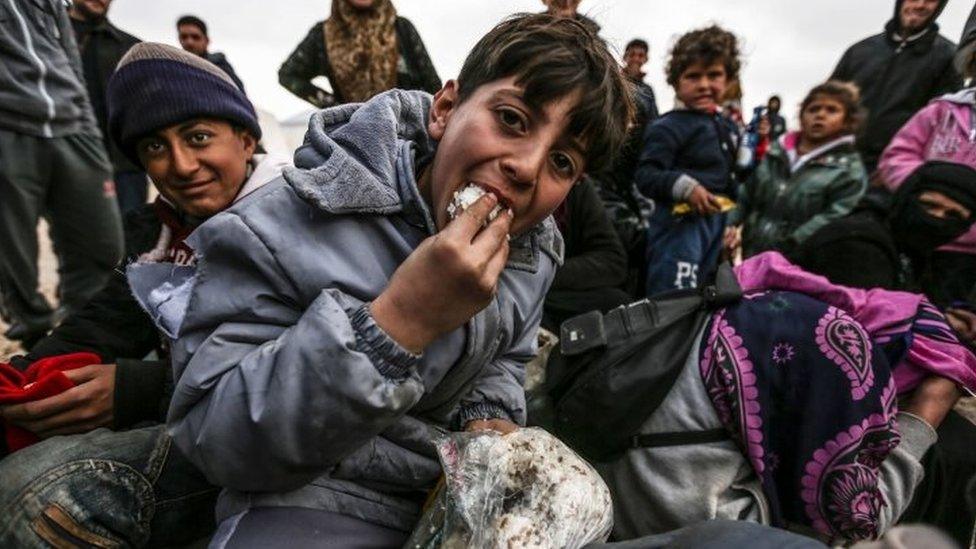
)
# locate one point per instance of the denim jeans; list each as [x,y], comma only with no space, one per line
[106,489]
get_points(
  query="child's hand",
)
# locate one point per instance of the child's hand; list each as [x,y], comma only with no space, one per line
[964,323]
[704,202]
[447,280]
[732,238]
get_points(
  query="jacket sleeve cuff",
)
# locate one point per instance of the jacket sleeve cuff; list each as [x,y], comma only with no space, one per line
[917,436]
[392,360]
[482,410]
[140,386]
[683,186]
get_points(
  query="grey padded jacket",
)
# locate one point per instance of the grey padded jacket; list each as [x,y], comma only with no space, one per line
[288,394]
[42,88]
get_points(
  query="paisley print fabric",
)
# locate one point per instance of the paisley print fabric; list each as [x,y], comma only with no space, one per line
[798,385]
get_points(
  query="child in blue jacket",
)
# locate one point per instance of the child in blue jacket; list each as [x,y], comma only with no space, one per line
[689,157]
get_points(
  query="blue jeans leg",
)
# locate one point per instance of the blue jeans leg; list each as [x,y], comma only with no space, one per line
[103,488]
[682,251]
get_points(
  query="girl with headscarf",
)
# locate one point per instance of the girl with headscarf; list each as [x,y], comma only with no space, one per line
[363,48]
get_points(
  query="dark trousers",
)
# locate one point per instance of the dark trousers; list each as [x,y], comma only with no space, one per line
[67,180]
[682,251]
[131,189]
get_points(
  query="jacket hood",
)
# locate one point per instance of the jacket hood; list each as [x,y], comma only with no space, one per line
[894,25]
[349,159]
[962,97]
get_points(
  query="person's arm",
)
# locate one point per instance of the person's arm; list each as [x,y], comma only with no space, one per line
[901,472]
[843,195]
[601,261]
[273,396]
[426,73]
[656,177]
[303,65]
[906,151]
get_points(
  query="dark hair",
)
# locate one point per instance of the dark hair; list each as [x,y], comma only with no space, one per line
[552,58]
[192,20]
[638,43]
[707,46]
[775,98]
[847,94]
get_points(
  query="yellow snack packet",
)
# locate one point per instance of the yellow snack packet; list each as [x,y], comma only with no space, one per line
[683,208]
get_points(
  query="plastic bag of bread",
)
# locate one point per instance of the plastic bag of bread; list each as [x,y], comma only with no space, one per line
[525,489]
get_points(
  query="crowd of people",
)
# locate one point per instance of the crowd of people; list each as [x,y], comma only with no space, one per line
[264,354]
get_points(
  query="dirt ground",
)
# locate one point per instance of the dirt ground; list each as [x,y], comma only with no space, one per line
[49,282]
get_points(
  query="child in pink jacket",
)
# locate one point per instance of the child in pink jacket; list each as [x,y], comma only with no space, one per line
[943,130]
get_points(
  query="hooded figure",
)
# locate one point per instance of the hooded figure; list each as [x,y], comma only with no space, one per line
[898,72]
[892,246]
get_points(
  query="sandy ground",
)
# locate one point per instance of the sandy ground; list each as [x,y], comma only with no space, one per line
[49,282]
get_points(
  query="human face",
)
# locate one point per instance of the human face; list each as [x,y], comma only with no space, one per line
[701,86]
[199,165]
[92,10]
[193,40]
[822,120]
[634,59]
[915,14]
[773,105]
[941,206]
[494,139]
[562,8]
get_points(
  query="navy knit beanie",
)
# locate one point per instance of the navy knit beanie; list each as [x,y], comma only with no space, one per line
[156,86]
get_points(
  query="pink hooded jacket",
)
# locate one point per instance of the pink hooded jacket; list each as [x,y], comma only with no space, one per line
[943,130]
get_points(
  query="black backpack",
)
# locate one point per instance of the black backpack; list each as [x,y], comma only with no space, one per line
[615,369]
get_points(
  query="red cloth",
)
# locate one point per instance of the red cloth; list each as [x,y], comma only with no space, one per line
[44,378]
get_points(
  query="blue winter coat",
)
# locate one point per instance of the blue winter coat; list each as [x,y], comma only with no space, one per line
[686,142]
[288,394]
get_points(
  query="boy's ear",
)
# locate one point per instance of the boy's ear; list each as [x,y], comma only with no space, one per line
[445,101]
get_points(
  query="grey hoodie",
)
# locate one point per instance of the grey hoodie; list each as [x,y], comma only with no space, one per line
[42,89]
[288,393]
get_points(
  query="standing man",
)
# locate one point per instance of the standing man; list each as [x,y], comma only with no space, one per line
[899,71]
[194,39]
[635,57]
[52,162]
[101,45]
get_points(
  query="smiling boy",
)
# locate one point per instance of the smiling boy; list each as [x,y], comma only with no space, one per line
[689,156]
[338,318]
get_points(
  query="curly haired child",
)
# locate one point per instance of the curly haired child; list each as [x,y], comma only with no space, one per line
[689,155]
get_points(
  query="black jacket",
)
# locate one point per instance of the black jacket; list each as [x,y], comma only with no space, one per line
[594,256]
[415,71]
[114,326]
[101,46]
[897,77]
[221,61]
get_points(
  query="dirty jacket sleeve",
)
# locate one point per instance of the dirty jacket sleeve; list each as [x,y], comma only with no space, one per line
[906,152]
[272,392]
[843,195]
[306,62]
